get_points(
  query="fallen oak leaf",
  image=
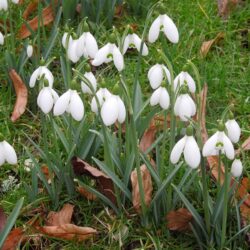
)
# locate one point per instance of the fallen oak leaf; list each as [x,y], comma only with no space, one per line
[15,237]
[30,8]
[243,191]
[60,218]
[206,46]
[179,220]
[68,232]
[245,146]
[104,183]
[147,187]
[21,93]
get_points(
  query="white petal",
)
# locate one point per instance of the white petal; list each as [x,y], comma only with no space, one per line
[154,30]
[45,100]
[192,105]
[178,81]
[106,93]
[155,98]
[237,168]
[73,51]
[90,76]
[48,75]
[164,98]
[54,95]
[121,110]
[34,76]
[126,44]
[4,5]
[1,38]
[210,145]
[2,157]
[29,50]
[167,73]
[101,55]
[62,103]
[109,111]
[99,96]
[64,39]
[192,152]
[137,42]
[233,130]
[155,76]
[91,45]
[76,106]
[228,147]
[118,59]
[9,153]
[170,30]
[190,82]
[177,150]
[185,109]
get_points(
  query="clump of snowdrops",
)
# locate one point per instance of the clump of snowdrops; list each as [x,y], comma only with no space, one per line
[97,135]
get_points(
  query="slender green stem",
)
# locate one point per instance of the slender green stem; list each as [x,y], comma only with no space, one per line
[11,31]
[225,204]
[162,164]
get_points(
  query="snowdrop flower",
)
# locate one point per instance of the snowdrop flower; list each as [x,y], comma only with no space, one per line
[38,73]
[3,5]
[233,130]
[70,102]
[1,38]
[91,78]
[161,97]
[163,23]
[102,94]
[189,147]
[134,41]
[237,168]
[184,78]
[184,107]
[156,75]
[219,143]
[87,45]
[108,53]
[113,109]
[29,50]
[46,99]
[64,39]
[7,153]
[73,51]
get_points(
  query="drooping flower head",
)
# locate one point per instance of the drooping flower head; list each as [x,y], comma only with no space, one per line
[165,24]
[91,80]
[161,97]
[101,95]
[237,168]
[157,74]
[109,52]
[190,149]
[7,153]
[184,79]
[29,50]
[219,143]
[233,129]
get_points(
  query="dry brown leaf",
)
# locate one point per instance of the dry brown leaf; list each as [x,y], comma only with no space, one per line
[213,161]
[30,8]
[147,187]
[104,183]
[245,146]
[68,232]
[21,93]
[85,193]
[15,237]
[206,46]
[179,220]
[225,7]
[47,17]
[3,219]
[62,217]
[243,191]
[48,175]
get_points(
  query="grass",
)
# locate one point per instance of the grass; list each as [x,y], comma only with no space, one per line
[225,70]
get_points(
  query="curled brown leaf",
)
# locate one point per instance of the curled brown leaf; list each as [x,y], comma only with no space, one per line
[21,93]
[30,8]
[147,187]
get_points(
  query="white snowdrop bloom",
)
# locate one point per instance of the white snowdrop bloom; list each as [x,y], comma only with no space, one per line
[46,99]
[39,72]
[73,51]
[7,153]
[156,75]
[64,39]
[113,109]
[3,5]
[1,38]
[183,78]
[233,130]
[134,41]
[71,103]
[102,94]
[163,23]
[92,80]
[184,107]
[189,147]
[161,97]
[237,168]
[87,45]
[29,50]
[219,142]
[109,53]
